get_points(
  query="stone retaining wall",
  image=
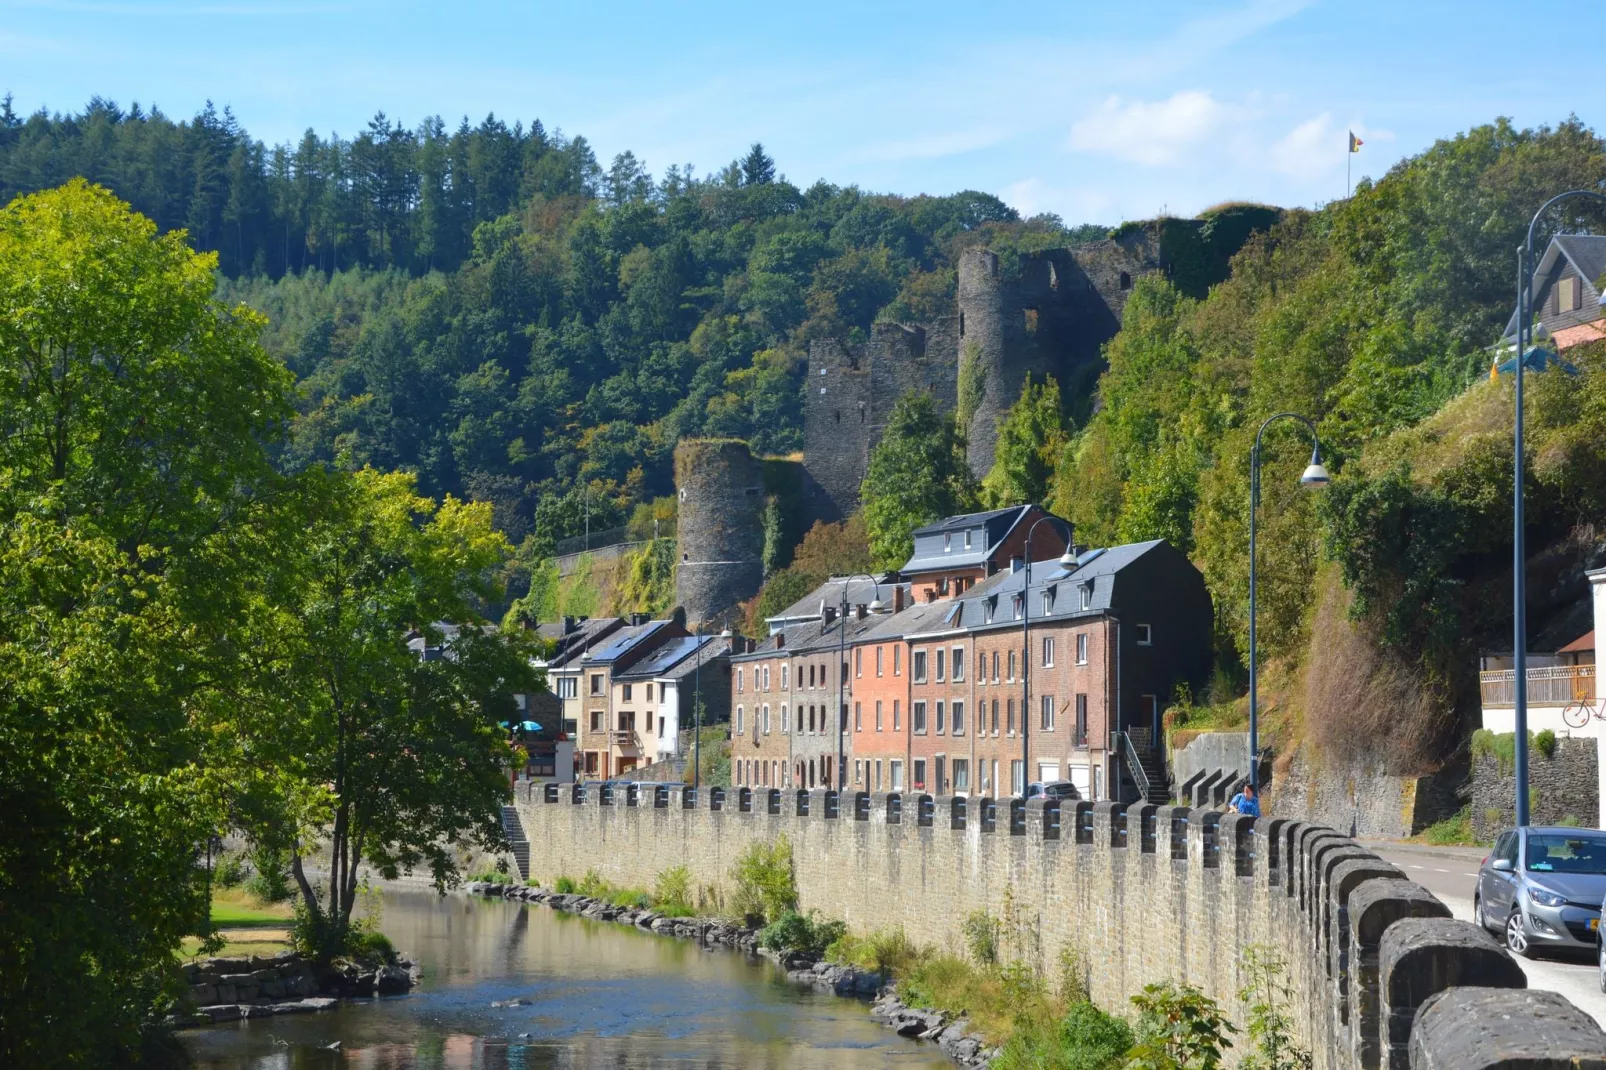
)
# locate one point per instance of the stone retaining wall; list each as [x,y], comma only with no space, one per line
[1149,894]
[1562,789]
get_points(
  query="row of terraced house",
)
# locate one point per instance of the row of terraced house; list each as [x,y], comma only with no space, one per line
[971,672]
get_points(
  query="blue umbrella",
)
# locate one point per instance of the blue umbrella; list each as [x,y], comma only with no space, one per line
[531,726]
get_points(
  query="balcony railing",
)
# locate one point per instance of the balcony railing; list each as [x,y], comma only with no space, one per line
[1552,685]
[623,737]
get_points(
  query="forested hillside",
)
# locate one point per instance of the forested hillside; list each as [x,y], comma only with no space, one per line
[1372,316]
[490,308]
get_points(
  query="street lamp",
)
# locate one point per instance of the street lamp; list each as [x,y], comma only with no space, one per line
[1314,478]
[842,689]
[1519,580]
[1067,560]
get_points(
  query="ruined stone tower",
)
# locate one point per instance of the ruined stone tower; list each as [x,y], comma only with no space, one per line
[1046,313]
[720,530]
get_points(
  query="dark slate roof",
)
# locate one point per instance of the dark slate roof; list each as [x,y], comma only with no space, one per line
[589,634]
[713,649]
[968,520]
[624,641]
[860,591]
[767,647]
[675,658]
[925,617]
[1586,252]
[819,635]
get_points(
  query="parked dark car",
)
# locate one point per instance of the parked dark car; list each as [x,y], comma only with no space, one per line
[1063,790]
[1542,887]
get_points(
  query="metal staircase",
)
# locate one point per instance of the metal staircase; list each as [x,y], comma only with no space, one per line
[514,828]
[1146,765]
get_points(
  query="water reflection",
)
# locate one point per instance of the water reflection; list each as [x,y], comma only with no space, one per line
[600,995]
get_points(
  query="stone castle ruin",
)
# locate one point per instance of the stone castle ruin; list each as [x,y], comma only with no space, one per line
[1040,313]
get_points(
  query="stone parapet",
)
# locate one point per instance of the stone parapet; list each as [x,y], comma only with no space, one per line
[1380,975]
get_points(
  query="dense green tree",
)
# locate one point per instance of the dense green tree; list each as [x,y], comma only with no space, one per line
[917,473]
[1031,438]
[391,760]
[134,414]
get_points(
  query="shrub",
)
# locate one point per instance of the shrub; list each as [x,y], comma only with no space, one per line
[271,883]
[593,885]
[1545,742]
[371,943]
[802,933]
[629,897]
[1265,998]
[765,883]
[563,886]
[1179,1026]
[1451,831]
[229,871]
[981,937]
[1084,1039]
[672,887]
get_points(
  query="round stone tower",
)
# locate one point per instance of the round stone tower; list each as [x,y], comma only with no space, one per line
[720,530]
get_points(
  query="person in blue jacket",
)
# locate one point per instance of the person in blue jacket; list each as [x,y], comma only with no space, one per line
[1246,802]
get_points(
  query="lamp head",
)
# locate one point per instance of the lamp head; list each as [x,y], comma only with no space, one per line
[1068,558]
[876,605]
[1315,477]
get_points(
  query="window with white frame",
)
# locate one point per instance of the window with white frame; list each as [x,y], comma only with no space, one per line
[625,695]
[957,715]
[897,661]
[941,665]
[961,776]
[967,538]
[959,664]
[766,678]
[596,683]
[740,720]
[1085,592]
[568,687]
[941,716]
[995,666]
[917,717]
[786,724]
[1017,602]
[878,715]
[766,719]
[858,717]
[897,717]
[1081,648]
[1048,601]
[1145,635]
[858,662]
[878,661]
[920,774]
[947,543]
[741,680]
[1048,713]
[1048,651]
[1011,666]
[919,662]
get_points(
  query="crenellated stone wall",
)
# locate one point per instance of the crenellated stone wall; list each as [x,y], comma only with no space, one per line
[1149,894]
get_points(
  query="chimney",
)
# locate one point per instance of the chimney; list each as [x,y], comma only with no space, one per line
[858,611]
[780,640]
[1016,564]
[897,598]
[830,614]
[569,625]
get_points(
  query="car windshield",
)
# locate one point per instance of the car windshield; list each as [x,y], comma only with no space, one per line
[1566,854]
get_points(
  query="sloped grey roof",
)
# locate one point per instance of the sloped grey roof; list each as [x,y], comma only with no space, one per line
[622,642]
[1587,254]
[968,520]
[674,658]
[860,592]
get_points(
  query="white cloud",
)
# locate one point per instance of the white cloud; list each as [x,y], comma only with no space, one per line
[1155,134]
[1033,196]
[1317,146]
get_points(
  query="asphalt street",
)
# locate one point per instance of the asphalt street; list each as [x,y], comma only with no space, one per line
[1451,873]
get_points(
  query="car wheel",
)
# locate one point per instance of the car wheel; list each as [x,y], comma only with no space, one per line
[1517,936]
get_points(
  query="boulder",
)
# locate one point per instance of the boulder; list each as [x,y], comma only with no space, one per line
[393,980]
[222,1012]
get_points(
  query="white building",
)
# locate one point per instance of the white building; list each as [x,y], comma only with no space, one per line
[1563,691]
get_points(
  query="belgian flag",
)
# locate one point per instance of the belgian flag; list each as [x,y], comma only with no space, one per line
[1355,143]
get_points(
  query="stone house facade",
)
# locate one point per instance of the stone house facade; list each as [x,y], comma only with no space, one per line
[608,721]
[954,554]
[761,704]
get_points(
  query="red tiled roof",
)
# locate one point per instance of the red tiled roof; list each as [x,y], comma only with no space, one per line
[1567,337]
[1582,643]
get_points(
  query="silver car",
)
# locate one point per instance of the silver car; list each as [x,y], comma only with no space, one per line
[1542,888]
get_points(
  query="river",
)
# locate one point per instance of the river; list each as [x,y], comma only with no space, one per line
[601,995]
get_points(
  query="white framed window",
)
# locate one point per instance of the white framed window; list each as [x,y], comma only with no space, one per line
[1145,635]
[961,776]
[947,543]
[878,715]
[897,717]
[941,665]
[1048,602]
[785,672]
[917,717]
[1017,777]
[596,683]
[1048,713]
[967,538]
[897,661]
[741,680]
[858,717]
[959,664]
[1016,603]
[941,716]
[1011,666]
[766,678]
[1048,651]
[1081,648]
[786,725]
[648,692]
[958,716]
[919,663]
[995,666]
[1085,594]
[626,695]
[740,720]
[766,719]
[858,662]
[920,774]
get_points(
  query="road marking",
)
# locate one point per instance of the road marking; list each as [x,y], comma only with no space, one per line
[1436,870]
[1410,865]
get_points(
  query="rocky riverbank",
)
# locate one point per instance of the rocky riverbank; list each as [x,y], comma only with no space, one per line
[951,1035]
[226,990]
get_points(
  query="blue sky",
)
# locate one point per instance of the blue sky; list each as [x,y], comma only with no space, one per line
[1099,112]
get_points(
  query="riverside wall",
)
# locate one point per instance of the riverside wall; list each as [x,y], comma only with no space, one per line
[1147,894]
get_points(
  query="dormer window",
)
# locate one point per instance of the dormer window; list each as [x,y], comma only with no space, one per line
[947,543]
[967,538]
[1048,601]
[1018,602]
[1085,591]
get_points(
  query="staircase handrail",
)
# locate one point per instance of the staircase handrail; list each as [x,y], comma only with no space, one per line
[1136,766]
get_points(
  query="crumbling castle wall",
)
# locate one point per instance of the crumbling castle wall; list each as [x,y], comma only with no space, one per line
[720,530]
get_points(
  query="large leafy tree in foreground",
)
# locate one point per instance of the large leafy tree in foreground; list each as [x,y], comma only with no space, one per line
[133,412]
[372,756]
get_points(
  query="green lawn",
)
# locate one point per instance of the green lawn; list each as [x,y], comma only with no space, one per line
[236,909]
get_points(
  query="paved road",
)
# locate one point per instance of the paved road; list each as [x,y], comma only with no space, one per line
[1451,873]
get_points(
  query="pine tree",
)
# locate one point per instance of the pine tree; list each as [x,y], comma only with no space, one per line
[758,169]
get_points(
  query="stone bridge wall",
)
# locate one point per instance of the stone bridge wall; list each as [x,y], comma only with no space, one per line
[1152,894]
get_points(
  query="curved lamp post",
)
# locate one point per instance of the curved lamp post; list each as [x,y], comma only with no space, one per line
[1315,478]
[842,689]
[1067,560]
[1519,581]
